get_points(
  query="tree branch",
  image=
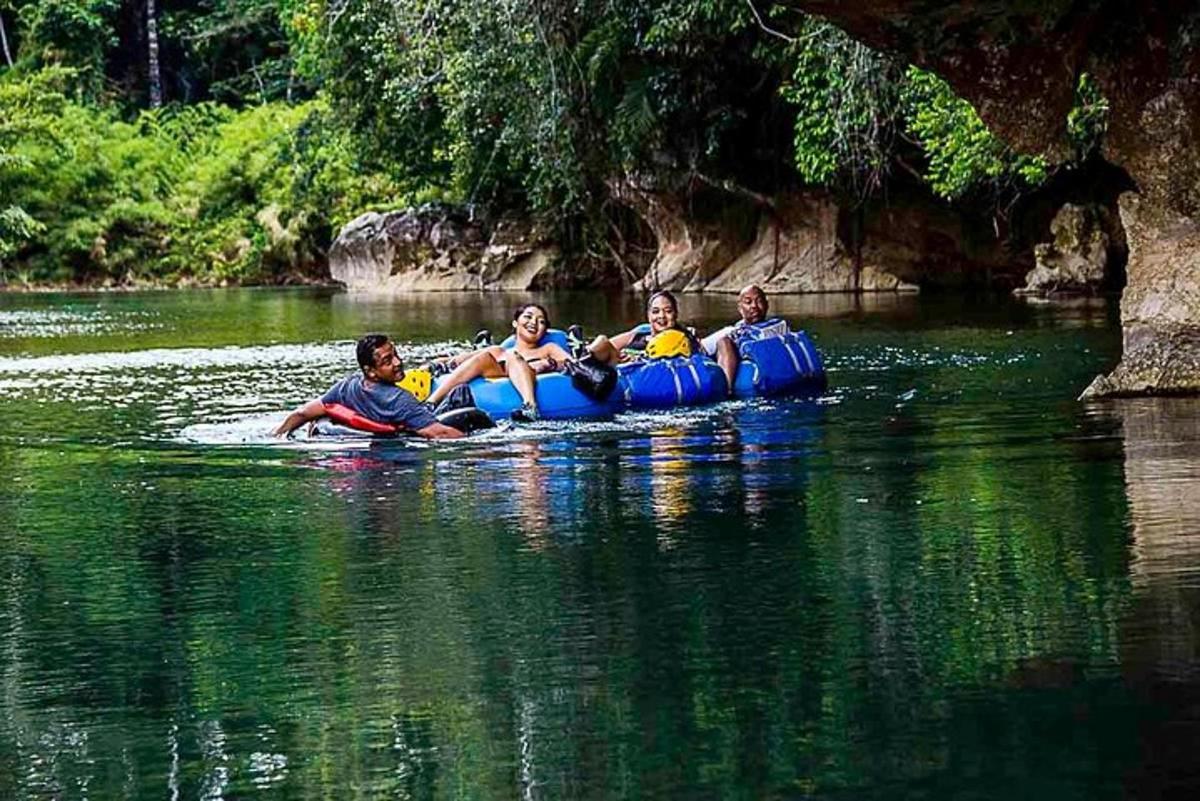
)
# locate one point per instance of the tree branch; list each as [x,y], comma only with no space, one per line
[4,42]
[767,29]
[736,189]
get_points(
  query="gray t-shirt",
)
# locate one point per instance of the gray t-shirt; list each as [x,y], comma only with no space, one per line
[383,403]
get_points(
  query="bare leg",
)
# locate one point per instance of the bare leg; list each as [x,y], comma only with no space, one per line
[522,377]
[728,359]
[482,363]
[461,358]
[604,350]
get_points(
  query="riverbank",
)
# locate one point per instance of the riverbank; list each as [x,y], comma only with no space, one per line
[164,286]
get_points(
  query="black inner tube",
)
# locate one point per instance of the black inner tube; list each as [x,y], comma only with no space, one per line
[467,419]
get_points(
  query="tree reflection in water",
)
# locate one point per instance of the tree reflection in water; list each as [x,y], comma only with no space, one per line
[928,589]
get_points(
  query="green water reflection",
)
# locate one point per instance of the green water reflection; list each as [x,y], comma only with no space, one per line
[922,587]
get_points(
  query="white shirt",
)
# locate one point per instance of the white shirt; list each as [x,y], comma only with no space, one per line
[767,328]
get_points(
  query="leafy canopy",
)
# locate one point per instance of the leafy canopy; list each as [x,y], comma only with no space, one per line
[287,118]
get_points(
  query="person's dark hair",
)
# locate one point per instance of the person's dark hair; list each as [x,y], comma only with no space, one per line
[366,347]
[663,293]
[521,310]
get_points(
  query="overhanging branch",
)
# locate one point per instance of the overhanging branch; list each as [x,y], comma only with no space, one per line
[766,28]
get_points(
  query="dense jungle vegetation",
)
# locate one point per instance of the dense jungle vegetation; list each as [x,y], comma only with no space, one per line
[224,141]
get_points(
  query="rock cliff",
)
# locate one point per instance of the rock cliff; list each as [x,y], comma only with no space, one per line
[1018,64]
[1076,260]
[439,248]
[797,249]
[804,241]
[710,240]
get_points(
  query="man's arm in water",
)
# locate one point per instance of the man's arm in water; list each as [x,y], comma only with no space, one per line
[439,431]
[312,410]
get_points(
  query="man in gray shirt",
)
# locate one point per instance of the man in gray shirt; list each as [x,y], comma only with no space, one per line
[374,395]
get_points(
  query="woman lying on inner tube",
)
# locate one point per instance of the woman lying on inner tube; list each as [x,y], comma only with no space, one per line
[662,315]
[521,364]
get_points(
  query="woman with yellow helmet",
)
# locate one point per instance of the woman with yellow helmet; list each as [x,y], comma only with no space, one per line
[660,337]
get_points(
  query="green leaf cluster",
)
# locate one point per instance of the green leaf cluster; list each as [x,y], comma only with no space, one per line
[539,106]
[963,154]
[71,33]
[199,192]
[848,108]
[857,113]
[238,50]
[28,107]
[1087,121]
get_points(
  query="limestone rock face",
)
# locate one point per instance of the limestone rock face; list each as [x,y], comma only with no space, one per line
[1018,63]
[720,242]
[924,241]
[801,242]
[438,248]
[797,249]
[1160,308]
[1076,260]
[697,236]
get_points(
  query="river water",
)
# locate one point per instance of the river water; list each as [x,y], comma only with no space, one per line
[945,578]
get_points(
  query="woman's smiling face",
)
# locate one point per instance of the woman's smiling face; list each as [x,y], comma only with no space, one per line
[662,314]
[530,325]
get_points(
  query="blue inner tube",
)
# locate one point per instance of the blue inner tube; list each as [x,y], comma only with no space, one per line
[552,336]
[788,364]
[557,398]
[777,365]
[667,383]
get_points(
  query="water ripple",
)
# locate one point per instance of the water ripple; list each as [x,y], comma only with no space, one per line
[54,323]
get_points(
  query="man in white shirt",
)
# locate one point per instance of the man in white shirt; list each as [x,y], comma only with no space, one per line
[723,344]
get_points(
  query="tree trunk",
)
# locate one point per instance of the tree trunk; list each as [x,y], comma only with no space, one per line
[4,43]
[156,96]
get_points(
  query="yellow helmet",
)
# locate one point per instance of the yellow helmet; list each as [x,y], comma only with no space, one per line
[419,382]
[665,344]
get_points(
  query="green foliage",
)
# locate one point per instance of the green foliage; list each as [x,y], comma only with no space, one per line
[232,51]
[854,107]
[514,104]
[16,226]
[963,154]
[237,49]
[28,106]
[328,180]
[201,192]
[1087,120]
[679,107]
[71,33]
[539,106]
[383,78]
[261,191]
[847,102]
